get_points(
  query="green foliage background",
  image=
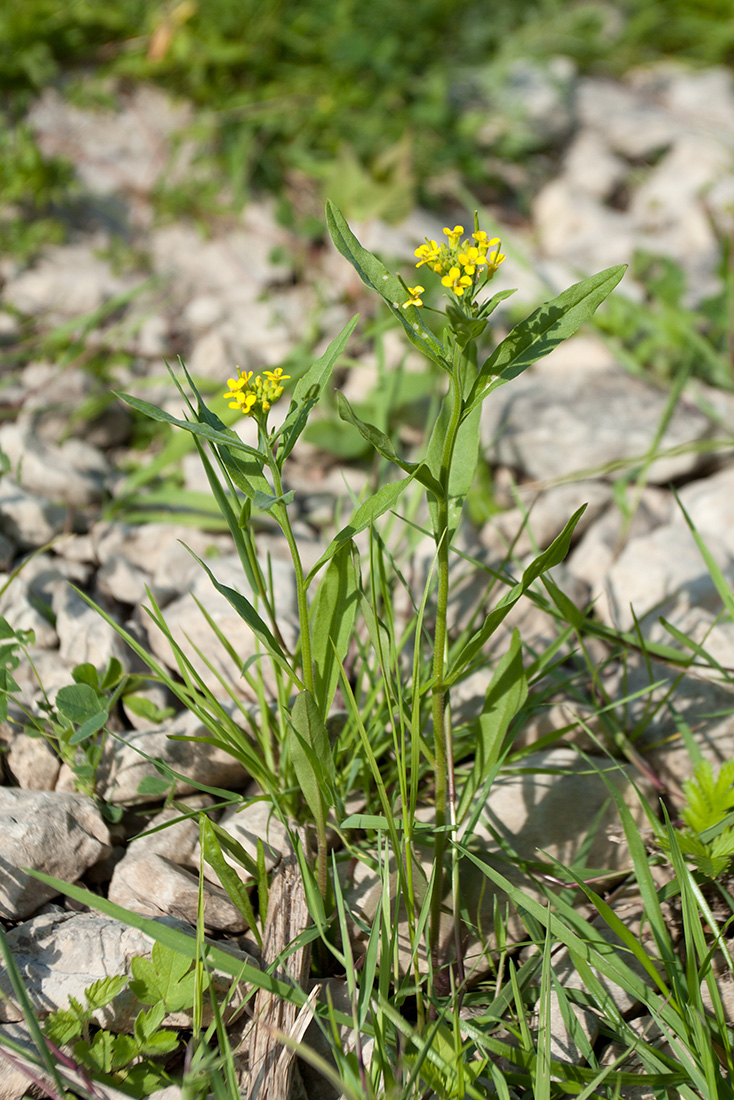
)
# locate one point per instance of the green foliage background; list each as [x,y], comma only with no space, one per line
[296,82]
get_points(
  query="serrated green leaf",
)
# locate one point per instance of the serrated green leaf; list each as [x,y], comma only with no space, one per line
[148,1022]
[104,990]
[166,977]
[62,1026]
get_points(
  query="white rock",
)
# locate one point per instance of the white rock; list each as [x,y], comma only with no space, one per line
[47,288]
[574,225]
[662,573]
[554,421]
[84,636]
[544,516]
[549,806]
[255,821]
[74,473]
[126,149]
[628,124]
[590,166]
[60,834]
[32,763]
[155,886]
[602,543]
[60,954]
[28,519]
[125,761]
[189,627]
[119,580]
[710,504]
[177,841]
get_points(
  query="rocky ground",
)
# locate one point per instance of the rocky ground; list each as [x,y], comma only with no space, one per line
[647,165]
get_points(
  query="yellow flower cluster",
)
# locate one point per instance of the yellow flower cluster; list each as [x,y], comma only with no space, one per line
[251,395]
[458,261]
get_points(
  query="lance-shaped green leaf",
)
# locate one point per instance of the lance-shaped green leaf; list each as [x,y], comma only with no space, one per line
[308,390]
[506,694]
[554,555]
[228,878]
[541,332]
[248,614]
[384,445]
[222,438]
[332,616]
[382,501]
[312,759]
[376,276]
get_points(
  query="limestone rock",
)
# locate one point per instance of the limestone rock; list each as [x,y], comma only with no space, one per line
[61,834]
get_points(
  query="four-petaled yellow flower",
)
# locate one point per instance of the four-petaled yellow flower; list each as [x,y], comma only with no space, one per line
[415,296]
[456,281]
[454,235]
[429,253]
[252,395]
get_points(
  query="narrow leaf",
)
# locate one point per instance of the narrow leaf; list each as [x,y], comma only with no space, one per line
[545,329]
[551,557]
[376,276]
[332,615]
[380,502]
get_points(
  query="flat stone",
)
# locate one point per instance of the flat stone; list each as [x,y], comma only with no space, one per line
[555,421]
[155,886]
[255,821]
[662,573]
[532,527]
[116,150]
[84,636]
[32,763]
[627,123]
[60,954]
[29,520]
[125,762]
[47,288]
[187,623]
[74,472]
[549,806]
[60,834]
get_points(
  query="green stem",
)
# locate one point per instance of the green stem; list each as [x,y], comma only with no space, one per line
[285,525]
[441,736]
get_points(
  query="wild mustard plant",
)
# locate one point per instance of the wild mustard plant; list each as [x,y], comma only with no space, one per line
[251,478]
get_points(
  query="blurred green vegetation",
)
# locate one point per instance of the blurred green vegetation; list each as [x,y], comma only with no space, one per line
[383,90]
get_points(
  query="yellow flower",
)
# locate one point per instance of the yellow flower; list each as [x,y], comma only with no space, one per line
[427,253]
[470,259]
[454,235]
[415,296]
[250,394]
[456,281]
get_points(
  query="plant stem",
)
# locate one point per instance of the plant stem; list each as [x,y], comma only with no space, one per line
[285,524]
[442,748]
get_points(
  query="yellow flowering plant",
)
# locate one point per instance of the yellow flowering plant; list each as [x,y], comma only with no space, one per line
[465,267]
[291,756]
